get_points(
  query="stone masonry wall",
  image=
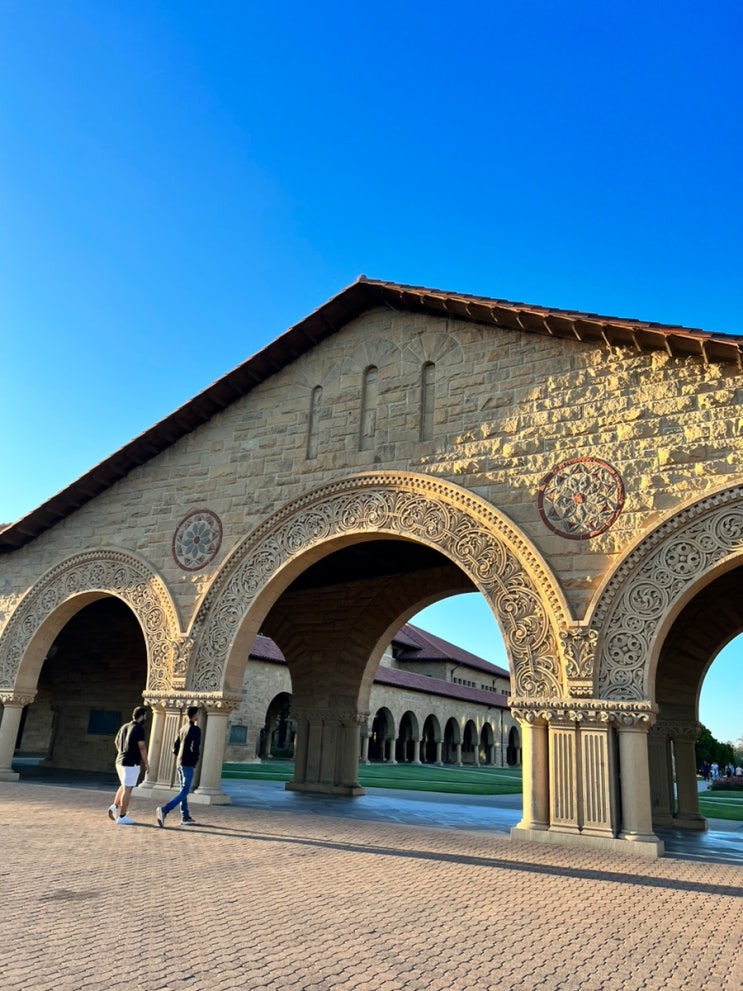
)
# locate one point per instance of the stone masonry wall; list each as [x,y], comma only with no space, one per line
[509,407]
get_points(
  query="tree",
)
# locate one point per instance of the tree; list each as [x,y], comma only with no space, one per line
[711,750]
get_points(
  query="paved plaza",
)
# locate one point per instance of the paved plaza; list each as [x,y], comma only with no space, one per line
[294,893]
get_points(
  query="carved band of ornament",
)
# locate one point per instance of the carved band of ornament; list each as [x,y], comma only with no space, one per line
[596,711]
[111,572]
[679,729]
[404,506]
[211,701]
[17,699]
[647,587]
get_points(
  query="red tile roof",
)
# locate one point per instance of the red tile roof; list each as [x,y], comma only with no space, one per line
[264,649]
[362,295]
[423,646]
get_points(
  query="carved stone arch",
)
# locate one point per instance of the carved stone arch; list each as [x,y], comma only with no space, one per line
[499,559]
[93,574]
[660,572]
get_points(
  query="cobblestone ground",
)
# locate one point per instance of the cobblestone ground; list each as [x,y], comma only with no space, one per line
[258,900]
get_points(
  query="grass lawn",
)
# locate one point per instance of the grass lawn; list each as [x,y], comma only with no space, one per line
[413,777]
[722,805]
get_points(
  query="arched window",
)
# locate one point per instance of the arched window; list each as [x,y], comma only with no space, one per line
[369,399]
[428,400]
[314,422]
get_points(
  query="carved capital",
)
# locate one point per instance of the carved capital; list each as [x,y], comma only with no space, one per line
[17,698]
[579,652]
[211,701]
[181,653]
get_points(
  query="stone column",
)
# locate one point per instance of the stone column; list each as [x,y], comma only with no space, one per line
[637,820]
[365,748]
[599,799]
[210,784]
[661,775]
[458,750]
[535,749]
[684,736]
[439,753]
[327,751]
[564,773]
[390,746]
[154,746]
[417,744]
[13,706]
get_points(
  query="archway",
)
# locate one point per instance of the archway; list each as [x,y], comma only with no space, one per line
[432,741]
[279,731]
[91,679]
[393,540]
[382,737]
[406,750]
[669,608]
[452,742]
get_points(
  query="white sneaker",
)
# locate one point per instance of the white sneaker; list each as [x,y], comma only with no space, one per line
[125,821]
[113,812]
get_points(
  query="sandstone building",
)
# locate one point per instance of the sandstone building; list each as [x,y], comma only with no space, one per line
[400,444]
[431,702]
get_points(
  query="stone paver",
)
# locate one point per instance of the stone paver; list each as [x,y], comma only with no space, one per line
[257,899]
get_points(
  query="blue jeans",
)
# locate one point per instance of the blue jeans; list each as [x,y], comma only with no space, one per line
[185,780]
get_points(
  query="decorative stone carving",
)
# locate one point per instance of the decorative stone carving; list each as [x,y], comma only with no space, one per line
[17,698]
[530,710]
[112,572]
[681,729]
[647,585]
[211,701]
[197,540]
[579,649]
[581,498]
[181,652]
[500,561]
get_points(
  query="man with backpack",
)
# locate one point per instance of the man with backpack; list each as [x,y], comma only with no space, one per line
[131,755]
[187,747]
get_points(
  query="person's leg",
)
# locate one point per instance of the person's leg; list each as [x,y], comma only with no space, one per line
[186,777]
[180,796]
[125,800]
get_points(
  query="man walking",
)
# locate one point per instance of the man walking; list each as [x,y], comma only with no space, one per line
[131,755]
[187,747]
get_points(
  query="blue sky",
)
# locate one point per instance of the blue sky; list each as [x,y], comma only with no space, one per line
[180,182]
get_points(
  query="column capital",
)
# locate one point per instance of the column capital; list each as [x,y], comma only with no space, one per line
[330,715]
[640,714]
[11,698]
[213,702]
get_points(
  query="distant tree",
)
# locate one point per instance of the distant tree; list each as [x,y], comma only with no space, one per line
[709,749]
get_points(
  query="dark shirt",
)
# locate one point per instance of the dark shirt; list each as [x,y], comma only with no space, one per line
[129,753]
[188,746]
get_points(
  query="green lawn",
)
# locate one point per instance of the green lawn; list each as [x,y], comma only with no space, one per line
[722,805]
[413,777]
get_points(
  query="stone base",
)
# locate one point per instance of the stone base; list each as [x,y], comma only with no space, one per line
[318,788]
[612,844]
[697,822]
[9,776]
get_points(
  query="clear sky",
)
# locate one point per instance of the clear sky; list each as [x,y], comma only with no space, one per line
[182,181]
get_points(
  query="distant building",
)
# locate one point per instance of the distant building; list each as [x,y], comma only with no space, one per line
[432,702]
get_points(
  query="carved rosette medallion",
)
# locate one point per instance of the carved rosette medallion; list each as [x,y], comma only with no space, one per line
[503,565]
[646,587]
[581,498]
[197,540]
[112,572]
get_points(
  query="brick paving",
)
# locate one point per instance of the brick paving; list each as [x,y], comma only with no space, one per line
[257,899]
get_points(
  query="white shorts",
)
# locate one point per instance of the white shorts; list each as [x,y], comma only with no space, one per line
[128,776]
